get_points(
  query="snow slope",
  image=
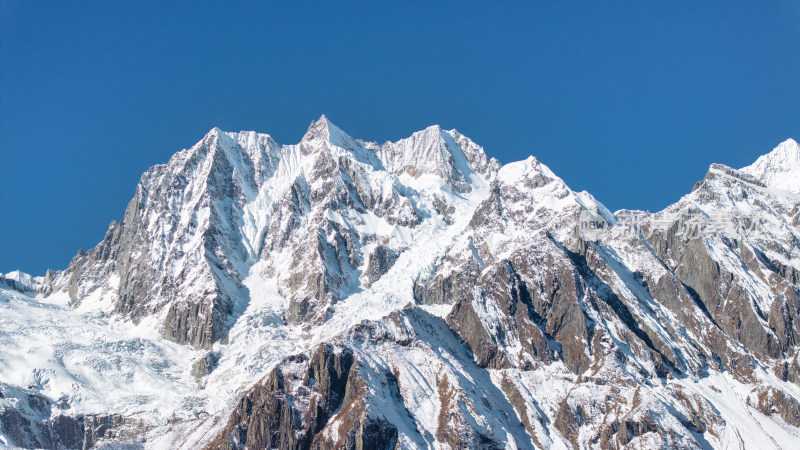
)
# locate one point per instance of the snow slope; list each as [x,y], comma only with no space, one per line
[780,168]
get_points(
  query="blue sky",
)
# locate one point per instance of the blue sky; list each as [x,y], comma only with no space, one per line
[631,101]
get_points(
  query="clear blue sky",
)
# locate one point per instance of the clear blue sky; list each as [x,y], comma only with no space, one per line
[631,102]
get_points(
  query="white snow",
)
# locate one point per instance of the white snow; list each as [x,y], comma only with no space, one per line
[780,168]
[98,363]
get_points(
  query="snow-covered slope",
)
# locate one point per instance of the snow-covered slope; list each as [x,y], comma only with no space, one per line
[342,293]
[780,168]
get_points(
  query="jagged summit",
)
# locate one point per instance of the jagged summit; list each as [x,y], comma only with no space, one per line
[446,154]
[779,168]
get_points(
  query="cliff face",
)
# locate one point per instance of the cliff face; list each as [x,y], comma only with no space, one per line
[35,421]
[359,392]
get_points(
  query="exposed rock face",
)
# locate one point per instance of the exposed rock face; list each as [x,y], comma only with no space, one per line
[35,422]
[501,287]
[269,415]
[572,290]
[205,365]
[771,401]
[444,288]
[366,389]
[346,395]
[290,409]
[380,261]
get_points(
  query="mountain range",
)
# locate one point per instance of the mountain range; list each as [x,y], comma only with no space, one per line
[339,293]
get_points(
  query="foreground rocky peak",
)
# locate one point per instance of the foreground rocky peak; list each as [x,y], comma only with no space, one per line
[416,294]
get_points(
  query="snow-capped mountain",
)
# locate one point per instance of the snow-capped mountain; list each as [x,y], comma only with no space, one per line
[339,293]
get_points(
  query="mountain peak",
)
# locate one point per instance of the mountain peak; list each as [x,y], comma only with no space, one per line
[787,152]
[433,129]
[779,168]
[324,129]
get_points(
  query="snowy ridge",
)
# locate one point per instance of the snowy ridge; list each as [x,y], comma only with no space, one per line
[21,281]
[430,297]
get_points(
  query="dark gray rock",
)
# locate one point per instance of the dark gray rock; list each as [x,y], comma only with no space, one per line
[35,423]
[448,289]
[268,416]
[205,365]
[379,262]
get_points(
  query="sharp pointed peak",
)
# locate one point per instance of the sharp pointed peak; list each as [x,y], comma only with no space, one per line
[787,150]
[785,155]
[322,122]
[210,136]
[431,133]
[779,168]
[434,128]
[216,134]
[323,128]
